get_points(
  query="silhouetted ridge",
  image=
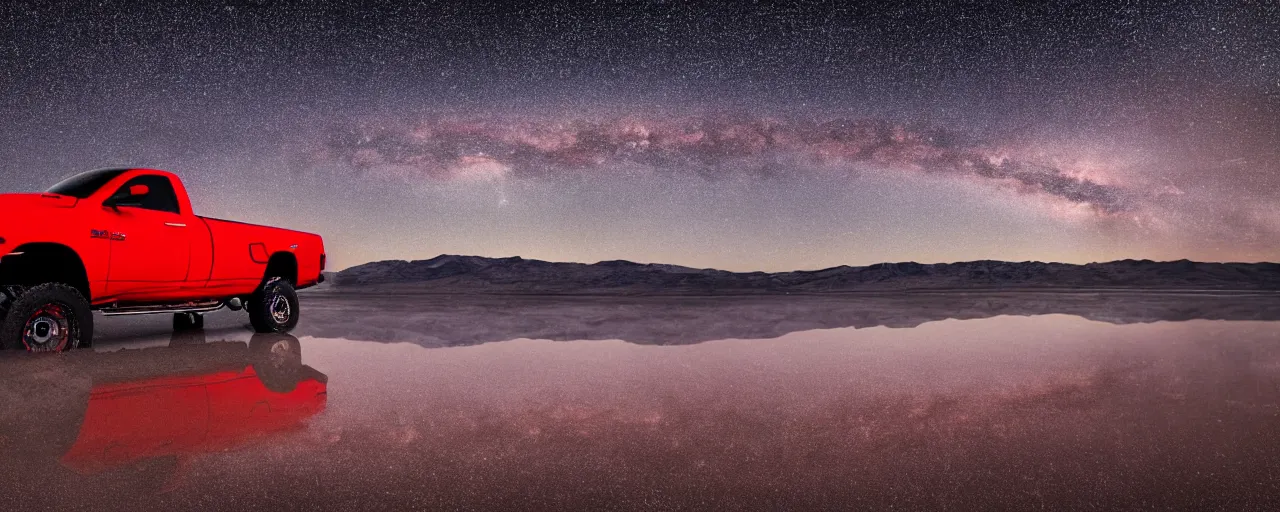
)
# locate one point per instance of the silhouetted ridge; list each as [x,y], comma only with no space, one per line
[446,273]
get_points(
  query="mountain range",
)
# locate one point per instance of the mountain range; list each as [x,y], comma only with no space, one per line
[515,275]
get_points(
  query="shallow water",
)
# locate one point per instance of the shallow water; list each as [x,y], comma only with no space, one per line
[1050,410]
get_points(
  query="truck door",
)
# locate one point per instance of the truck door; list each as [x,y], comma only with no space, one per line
[150,242]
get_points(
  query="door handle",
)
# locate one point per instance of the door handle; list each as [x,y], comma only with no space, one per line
[175,224]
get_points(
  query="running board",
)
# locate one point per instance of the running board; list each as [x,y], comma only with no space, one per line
[190,307]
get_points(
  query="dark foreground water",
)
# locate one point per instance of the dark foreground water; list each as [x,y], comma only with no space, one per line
[1157,407]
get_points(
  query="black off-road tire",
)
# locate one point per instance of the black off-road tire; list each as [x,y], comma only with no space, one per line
[34,314]
[8,294]
[274,307]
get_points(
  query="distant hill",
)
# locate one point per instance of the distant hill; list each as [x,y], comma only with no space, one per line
[475,274]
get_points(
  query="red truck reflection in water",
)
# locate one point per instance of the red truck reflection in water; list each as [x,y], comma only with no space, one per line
[183,416]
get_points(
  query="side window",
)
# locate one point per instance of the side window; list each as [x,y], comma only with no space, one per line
[160,196]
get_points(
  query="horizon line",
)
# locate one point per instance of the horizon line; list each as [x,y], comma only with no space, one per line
[811,270]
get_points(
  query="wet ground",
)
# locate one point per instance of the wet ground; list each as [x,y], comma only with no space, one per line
[994,401]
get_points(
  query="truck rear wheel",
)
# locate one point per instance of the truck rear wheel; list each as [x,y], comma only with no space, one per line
[274,307]
[51,317]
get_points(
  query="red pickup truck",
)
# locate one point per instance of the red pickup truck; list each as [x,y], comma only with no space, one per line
[126,241]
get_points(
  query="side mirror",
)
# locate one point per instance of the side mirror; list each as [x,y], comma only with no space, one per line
[129,197]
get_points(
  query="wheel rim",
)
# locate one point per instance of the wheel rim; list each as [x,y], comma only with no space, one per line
[280,309]
[49,329]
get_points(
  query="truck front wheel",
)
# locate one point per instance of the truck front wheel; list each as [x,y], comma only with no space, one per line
[274,307]
[50,317]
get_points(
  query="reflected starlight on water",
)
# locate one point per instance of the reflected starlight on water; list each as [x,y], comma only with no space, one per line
[1002,411]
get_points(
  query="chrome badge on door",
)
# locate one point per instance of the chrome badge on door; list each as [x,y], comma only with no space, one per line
[100,233]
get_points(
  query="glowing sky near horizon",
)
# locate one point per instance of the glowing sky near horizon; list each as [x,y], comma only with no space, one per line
[744,138]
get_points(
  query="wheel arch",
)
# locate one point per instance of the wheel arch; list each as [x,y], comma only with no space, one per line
[283,265]
[35,263]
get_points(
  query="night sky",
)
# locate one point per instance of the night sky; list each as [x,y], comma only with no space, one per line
[741,137]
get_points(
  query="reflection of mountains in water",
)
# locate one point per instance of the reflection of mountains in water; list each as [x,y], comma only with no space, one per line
[434,320]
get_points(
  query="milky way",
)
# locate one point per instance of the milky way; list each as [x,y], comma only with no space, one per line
[709,148]
[747,138]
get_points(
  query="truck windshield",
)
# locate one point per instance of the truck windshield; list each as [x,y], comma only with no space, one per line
[85,184]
